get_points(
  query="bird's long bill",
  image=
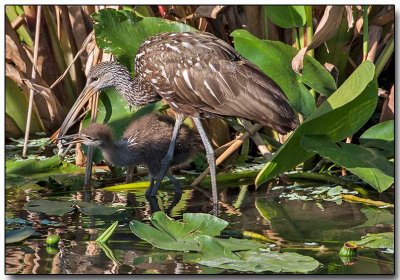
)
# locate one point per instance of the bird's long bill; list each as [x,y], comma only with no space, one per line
[70,139]
[82,100]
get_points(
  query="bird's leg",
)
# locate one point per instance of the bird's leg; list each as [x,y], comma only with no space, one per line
[168,157]
[175,182]
[211,162]
[129,173]
[151,183]
[175,201]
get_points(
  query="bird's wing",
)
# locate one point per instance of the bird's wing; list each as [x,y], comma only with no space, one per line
[232,88]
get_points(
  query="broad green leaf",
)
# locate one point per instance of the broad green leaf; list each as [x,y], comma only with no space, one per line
[205,224]
[341,115]
[376,216]
[160,239]
[175,235]
[18,235]
[287,16]
[32,166]
[380,136]
[383,240]
[17,107]
[49,207]
[121,32]
[256,260]
[368,164]
[275,58]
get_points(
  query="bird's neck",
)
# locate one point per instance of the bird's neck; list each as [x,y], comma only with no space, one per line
[120,154]
[137,92]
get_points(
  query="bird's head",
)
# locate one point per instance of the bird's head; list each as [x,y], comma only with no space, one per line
[106,75]
[102,76]
[95,135]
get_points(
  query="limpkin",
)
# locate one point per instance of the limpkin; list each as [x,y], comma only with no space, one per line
[144,142]
[198,75]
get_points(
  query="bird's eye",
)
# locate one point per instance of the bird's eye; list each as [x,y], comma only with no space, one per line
[94,79]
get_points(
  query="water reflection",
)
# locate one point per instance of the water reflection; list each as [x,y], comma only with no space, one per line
[261,212]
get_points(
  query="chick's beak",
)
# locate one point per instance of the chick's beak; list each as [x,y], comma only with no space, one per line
[71,139]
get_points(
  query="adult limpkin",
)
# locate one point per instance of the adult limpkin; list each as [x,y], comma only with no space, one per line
[145,141]
[198,75]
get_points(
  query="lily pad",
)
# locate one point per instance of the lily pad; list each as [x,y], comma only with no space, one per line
[14,236]
[177,236]
[383,240]
[216,255]
[49,207]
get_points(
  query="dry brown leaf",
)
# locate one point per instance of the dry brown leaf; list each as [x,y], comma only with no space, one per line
[208,11]
[349,16]
[374,35]
[13,73]
[385,16]
[13,54]
[326,29]
[388,107]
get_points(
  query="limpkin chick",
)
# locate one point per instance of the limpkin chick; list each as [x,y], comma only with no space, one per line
[144,142]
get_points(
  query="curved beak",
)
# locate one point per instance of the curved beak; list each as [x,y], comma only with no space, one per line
[71,139]
[82,100]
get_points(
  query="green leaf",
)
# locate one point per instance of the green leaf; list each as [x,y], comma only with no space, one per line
[160,239]
[121,32]
[31,166]
[17,106]
[368,164]
[108,252]
[287,16]
[341,115]
[174,235]
[256,260]
[380,136]
[18,235]
[275,58]
[49,207]
[383,240]
[107,233]
[334,191]
[376,216]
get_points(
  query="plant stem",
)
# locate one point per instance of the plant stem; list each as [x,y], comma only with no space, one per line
[265,22]
[365,31]
[384,57]
[301,37]
[296,38]
[320,177]
[309,28]
[33,75]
